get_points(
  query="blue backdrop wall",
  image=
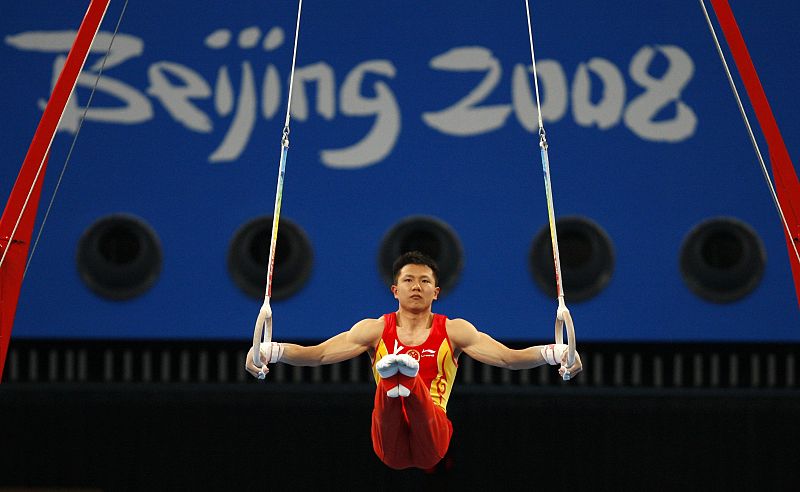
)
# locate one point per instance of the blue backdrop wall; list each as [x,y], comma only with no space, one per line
[400,109]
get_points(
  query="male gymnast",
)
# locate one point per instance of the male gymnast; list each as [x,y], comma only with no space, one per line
[414,355]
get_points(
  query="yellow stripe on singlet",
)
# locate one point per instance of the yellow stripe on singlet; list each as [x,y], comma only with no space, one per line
[442,384]
[380,351]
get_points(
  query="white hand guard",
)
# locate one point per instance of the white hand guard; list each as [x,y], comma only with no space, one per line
[553,353]
[272,352]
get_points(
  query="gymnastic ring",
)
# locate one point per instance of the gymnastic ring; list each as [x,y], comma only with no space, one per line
[571,343]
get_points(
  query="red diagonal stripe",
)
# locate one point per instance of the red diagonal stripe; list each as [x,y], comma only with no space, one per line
[787,186]
[31,176]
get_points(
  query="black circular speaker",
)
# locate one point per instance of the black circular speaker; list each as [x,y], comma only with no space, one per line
[248,257]
[586,254]
[119,257]
[722,259]
[427,235]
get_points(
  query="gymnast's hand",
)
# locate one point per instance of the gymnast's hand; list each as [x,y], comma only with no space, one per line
[251,367]
[574,369]
[270,352]
[556,353]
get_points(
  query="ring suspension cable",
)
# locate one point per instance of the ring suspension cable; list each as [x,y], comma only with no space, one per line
[746,120]
[294,60]
[563,316]
[263,326]
[75,139]
[545,163]
[533,64]
[66,162]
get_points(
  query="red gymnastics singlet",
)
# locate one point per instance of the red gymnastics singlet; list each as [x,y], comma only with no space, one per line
[437,366]
[414,431]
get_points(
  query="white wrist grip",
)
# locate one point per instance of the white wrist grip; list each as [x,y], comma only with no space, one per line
[273,351]
[553,353]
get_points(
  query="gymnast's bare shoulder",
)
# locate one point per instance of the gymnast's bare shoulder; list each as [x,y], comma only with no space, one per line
[366,332]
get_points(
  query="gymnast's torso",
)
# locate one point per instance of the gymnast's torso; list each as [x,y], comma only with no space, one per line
[437,363]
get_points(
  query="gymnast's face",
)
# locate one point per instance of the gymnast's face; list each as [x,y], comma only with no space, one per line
[415,287]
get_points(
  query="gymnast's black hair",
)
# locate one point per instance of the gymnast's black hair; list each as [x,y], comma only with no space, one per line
[414,258]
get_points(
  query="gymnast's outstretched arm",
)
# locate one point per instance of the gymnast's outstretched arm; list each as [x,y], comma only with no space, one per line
[361,337]
[483,348]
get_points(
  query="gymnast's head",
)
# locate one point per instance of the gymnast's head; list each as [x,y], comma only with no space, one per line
[414,258]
